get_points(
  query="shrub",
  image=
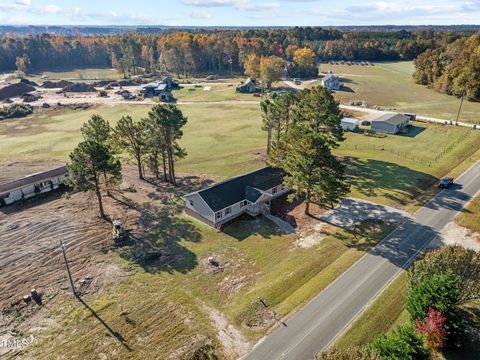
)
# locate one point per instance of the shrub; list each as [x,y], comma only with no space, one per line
[402,343]
[433,329]
[465,263]
[352,353]
[439,292]
[15,111]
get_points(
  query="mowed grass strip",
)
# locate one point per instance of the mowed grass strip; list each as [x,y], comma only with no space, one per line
[470,216]
[263,263]
[379,317]
[87,75]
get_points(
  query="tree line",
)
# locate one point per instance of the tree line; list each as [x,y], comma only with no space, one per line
[151,141]
[452,68]
[199,51]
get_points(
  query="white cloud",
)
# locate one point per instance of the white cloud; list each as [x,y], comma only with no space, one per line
[199,14]
[261,6]
[392,12]
[23,2]
[473,5]
[214,3]
[52,9]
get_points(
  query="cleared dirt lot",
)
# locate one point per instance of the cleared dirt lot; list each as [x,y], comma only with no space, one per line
[30,234]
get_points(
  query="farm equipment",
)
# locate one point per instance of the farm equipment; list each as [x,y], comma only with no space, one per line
[119,233]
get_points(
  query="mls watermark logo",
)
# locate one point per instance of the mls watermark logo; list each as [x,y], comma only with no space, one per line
[16,342]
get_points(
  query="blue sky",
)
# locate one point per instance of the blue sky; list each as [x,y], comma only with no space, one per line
[239,12]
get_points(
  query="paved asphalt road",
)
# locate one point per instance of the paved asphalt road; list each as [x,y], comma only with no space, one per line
[318,323]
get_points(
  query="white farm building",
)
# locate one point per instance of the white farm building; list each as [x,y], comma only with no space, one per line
[32,185]
[350,124]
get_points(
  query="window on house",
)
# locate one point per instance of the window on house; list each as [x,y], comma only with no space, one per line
[218,215]
[274,190]
[243,204]
[191,203]
[228,211]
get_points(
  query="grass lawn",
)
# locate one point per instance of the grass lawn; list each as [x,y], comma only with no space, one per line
[390,85]
[470,216]
[221,140]
[226,140]
[162,308]
[87,75]
[211,92]
[405,168]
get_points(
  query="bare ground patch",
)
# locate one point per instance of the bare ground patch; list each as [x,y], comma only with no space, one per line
[233,342]
[454,234]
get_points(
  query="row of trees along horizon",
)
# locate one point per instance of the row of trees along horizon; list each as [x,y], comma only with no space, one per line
[228,51]
[95,165]
[302,130]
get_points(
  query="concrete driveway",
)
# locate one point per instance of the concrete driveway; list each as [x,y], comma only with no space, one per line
[351,212]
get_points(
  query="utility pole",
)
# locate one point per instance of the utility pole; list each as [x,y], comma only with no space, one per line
[459,108]
[63,247]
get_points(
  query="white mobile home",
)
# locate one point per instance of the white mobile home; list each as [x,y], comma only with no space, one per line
[32,185]
[250,194]
[350,124]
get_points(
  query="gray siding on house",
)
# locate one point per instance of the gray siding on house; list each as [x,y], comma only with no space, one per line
[381,126]
[195,203]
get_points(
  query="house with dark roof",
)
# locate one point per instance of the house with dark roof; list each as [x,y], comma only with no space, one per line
[32,185]
[250,194]
[331,82]
[156,89]
[390,123]
[249,86]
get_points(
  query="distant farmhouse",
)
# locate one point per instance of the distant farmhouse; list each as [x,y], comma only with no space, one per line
[250,194]
[32,185]
[331,82]
[161,89]
[390,123]
[247,87]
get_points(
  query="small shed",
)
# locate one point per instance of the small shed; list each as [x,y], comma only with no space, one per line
[390,123]
[247,87]
[350,124]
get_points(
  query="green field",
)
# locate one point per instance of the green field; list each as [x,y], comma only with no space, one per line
[390,85]
[211,92]
[226,140]
[87,75]
[397,169]
[220,142]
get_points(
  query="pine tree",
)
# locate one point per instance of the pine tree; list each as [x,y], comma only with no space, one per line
[169,120]
[131,136]
[89,163]
[313,172]
[96,129]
